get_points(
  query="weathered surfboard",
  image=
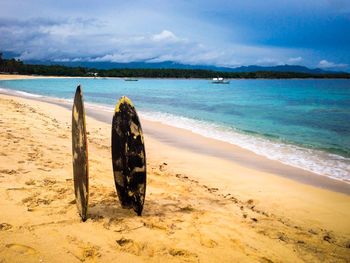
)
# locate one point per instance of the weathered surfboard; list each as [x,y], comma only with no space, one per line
[80,154]
[128,156]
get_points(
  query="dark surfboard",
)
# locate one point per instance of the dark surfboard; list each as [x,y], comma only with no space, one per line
[128,156]
[80,154]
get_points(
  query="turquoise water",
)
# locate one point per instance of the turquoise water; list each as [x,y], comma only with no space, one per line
[304,123]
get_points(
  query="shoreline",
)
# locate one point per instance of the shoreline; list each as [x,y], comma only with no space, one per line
[199,207]
[182,138]
[185,139]
[17,76]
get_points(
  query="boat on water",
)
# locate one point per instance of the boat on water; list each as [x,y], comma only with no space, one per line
[130,79]
[220,81]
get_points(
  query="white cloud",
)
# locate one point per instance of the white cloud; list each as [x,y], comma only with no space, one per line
[295,60]
[165,35]
[328,64]
[92,40]
[268,62]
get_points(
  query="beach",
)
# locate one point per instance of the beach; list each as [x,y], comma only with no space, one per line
[206,201]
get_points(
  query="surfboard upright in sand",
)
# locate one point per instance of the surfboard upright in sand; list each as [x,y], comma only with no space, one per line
[128,156]
[80,154]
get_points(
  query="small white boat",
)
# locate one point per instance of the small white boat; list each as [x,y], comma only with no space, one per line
[220,81]
[130,79]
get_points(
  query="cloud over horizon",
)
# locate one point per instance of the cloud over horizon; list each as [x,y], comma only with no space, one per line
[230,33]
[328,64]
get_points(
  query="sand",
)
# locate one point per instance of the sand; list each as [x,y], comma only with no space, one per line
[200,206]
[17,76]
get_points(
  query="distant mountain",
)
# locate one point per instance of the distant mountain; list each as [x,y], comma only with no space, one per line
[283,68]
[159,70]
[129,65]
[174,65]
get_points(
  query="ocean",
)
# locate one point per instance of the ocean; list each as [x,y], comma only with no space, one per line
[301,122]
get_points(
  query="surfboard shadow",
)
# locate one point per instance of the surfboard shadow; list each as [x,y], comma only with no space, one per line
[100,211]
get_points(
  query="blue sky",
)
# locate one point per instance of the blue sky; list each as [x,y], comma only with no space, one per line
[224,33]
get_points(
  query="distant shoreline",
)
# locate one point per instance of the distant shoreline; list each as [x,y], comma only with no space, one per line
[22,76]
[13,66]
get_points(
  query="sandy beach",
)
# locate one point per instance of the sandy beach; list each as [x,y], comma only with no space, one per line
[16,76]
[206,201]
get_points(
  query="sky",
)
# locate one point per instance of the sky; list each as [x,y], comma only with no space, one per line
[313,33]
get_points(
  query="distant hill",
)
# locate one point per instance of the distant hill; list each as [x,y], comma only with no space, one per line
[174,65]
[283,68]
[157,70]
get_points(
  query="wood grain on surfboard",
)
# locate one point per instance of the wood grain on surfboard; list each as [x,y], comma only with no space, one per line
[80,154]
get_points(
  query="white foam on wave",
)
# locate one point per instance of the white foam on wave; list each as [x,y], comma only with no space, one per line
[316,161]
[26,94]
[20,93]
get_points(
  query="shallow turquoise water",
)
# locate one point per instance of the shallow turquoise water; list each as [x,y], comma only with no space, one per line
[304,123]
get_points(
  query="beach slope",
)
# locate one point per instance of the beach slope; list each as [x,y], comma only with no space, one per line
[198,208]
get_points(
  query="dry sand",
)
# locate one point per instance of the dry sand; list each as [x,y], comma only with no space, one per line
[199,207]
[16,76]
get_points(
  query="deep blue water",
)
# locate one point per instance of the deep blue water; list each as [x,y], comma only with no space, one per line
[305,123]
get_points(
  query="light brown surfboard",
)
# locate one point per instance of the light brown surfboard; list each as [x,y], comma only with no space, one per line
[80,155]
[128,156]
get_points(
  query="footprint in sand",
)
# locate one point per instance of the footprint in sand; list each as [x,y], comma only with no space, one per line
[62,193]
[133,247]
[21,249]
[5,226]
[162,167]
[90,252]
[187,209]
[43,169]
[6,171]
[184,254]
[30,182]
[83,251]
[49,182]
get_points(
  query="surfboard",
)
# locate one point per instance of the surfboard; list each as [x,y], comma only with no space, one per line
[80,154]
[128,156]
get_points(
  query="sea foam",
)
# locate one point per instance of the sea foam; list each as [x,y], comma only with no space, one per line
[316,161]
[19,93]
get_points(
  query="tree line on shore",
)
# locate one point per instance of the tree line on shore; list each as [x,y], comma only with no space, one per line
[16,66]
